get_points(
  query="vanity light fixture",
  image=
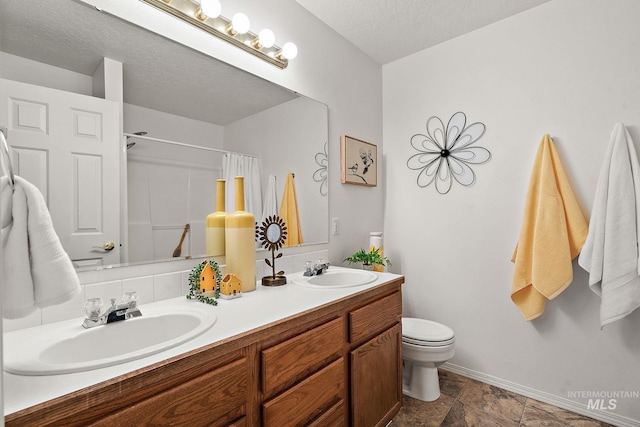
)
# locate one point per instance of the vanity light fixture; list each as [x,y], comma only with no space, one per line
[206,15]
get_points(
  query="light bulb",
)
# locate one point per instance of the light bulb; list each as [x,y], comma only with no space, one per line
[240,23]
[211,8]
[266,38]
[289,50]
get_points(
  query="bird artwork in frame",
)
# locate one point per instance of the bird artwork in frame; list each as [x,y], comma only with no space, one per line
[359,162]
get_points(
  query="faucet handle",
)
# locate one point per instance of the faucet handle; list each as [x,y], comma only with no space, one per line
[93,308]
[130,298]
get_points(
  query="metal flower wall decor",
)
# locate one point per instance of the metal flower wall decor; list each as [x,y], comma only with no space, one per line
[320,175]
[445,154]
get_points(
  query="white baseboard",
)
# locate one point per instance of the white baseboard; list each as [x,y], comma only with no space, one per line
[551,399]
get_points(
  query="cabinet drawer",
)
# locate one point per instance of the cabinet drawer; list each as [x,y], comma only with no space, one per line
[242,422]
[301,355]
[375,317]
[334,417]
[306,401]
[213,399]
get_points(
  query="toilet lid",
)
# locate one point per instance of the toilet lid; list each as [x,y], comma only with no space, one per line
[421,330]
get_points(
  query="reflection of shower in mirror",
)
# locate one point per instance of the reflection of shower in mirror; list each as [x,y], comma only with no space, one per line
[131,144]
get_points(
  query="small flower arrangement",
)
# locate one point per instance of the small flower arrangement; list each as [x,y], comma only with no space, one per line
[368,258]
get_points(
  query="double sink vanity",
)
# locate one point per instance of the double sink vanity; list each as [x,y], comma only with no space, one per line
[320,351]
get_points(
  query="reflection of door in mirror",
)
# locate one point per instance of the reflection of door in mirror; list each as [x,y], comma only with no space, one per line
[67,145]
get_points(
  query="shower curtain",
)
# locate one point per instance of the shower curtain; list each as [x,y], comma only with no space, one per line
[234,164]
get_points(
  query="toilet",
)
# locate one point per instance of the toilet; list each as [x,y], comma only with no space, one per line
[425,346]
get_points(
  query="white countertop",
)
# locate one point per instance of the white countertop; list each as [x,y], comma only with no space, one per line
[254,309]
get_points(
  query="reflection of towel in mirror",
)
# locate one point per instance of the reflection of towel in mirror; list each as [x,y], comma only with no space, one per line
[37,272]
[610,254]
[552,234]
[289,213]
[270,205]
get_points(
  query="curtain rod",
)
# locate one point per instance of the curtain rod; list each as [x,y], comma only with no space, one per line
[182,144]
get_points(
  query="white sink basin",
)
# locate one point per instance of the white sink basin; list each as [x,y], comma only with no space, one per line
[67,347]
[337,278]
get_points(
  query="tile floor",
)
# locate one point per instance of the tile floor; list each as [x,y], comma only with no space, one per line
[466,402]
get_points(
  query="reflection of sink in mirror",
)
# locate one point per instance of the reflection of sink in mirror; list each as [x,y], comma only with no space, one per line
[342,278]
[67,347]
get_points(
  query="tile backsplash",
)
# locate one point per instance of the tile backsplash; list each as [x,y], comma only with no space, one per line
[151,286]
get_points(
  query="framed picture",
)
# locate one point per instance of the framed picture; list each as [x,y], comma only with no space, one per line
[359,162]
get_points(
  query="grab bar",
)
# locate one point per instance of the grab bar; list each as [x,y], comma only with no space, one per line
[7,159]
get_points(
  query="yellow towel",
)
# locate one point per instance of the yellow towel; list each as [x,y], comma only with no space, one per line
[289,213]
[553,232]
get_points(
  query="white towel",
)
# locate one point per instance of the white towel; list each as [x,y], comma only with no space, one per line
[610,254]
[37,272]
[270,206]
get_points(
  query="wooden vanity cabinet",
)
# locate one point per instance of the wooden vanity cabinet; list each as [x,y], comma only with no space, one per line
[372,352]
[333,366]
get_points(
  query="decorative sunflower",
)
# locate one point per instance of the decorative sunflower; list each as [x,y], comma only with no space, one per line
[272,235]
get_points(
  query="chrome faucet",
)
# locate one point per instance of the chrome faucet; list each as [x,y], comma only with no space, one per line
[315,269]
[126,309]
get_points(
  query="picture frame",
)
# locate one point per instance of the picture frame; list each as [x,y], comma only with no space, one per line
[359,162]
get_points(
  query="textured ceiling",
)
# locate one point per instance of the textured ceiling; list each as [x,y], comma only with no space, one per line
[387,30]
[158,73]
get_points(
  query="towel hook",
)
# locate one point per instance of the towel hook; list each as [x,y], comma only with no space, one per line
[7,159]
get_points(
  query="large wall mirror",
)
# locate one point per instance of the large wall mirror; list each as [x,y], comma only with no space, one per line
[171,93]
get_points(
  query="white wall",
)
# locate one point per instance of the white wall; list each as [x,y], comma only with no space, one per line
[569,68]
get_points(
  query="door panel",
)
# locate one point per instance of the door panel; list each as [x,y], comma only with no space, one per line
[67,145]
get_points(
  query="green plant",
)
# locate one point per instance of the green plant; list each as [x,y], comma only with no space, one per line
[368,258]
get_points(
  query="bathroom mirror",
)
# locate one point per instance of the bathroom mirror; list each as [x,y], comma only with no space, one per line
[174,93]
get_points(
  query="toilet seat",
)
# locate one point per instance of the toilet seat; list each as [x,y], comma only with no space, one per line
[426,333]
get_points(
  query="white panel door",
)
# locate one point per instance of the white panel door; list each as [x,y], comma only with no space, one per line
[67,145]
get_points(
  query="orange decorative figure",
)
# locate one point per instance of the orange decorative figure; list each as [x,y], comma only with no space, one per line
[230,287]
[207,279]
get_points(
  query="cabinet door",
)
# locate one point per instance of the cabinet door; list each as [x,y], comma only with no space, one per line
[376,379]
